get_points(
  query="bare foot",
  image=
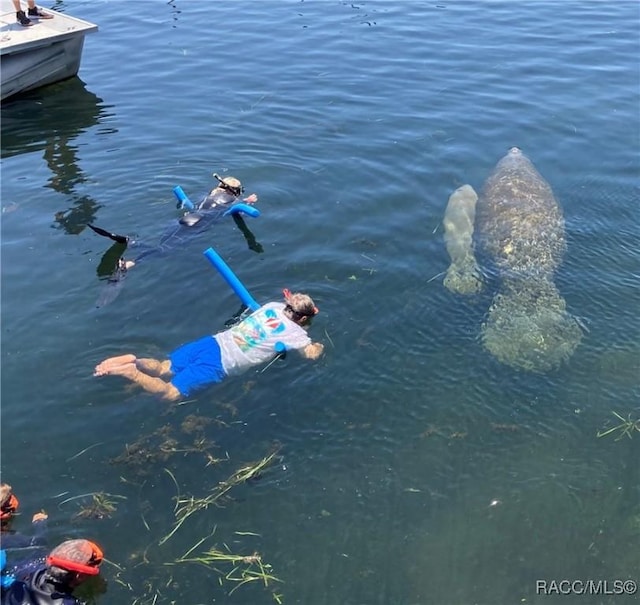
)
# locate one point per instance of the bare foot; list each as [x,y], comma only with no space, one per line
[109,364]
[125,265]
[126,370]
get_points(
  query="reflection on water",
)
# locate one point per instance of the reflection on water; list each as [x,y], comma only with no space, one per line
[50,120]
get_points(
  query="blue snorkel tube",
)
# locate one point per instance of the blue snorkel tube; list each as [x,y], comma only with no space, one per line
[236,285]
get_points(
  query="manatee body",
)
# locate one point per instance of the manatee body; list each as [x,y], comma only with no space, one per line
[519,224]
[463,274]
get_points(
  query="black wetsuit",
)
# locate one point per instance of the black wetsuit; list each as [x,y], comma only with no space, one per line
[208,211]
[38,588]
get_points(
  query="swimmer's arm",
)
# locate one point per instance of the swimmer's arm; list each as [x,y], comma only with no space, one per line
[312,351]
[39,524]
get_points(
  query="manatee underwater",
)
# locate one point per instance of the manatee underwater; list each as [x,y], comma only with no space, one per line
[517,222]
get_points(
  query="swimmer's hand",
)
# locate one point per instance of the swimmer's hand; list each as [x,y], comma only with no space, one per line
[252,199]
[41,516]
[313,351]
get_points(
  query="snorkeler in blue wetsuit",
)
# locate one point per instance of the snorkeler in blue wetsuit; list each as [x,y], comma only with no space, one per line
[214,206]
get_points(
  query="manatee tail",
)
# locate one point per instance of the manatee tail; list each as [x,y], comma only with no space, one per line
[121,239]
[529,328]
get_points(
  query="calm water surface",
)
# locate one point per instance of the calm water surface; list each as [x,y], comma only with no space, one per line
[353,122]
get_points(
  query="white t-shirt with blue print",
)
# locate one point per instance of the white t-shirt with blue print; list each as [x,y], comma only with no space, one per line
[253,340]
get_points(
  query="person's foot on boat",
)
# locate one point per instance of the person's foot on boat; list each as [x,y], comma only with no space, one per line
[38,13]
[22,19]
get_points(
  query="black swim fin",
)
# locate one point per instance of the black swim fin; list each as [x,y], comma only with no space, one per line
[121,239]
[110,261]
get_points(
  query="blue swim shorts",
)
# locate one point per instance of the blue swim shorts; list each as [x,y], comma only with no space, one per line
[196,365]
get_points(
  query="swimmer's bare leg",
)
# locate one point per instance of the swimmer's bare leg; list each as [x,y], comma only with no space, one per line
[151,384]
[108,364]
[153,367]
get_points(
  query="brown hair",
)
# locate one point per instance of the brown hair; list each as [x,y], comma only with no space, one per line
[299,307]
[302,304]
[5,493]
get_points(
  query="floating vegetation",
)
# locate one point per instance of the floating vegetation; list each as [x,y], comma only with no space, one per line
[161,584]
[86,449]
[160,445]
[232,567]
[194,424]
[434,431]
[505,428]
[101,506]
[627,427]
[187,506]
[430,431]
[154,590]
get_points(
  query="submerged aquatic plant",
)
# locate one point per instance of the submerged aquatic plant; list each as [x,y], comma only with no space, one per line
[244,568]
[100,507]
[187,506]
[159,446]
[626,427]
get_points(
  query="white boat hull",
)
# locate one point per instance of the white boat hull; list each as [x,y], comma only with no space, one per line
[46,52]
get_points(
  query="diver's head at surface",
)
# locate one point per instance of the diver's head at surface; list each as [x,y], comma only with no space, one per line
[230,184]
